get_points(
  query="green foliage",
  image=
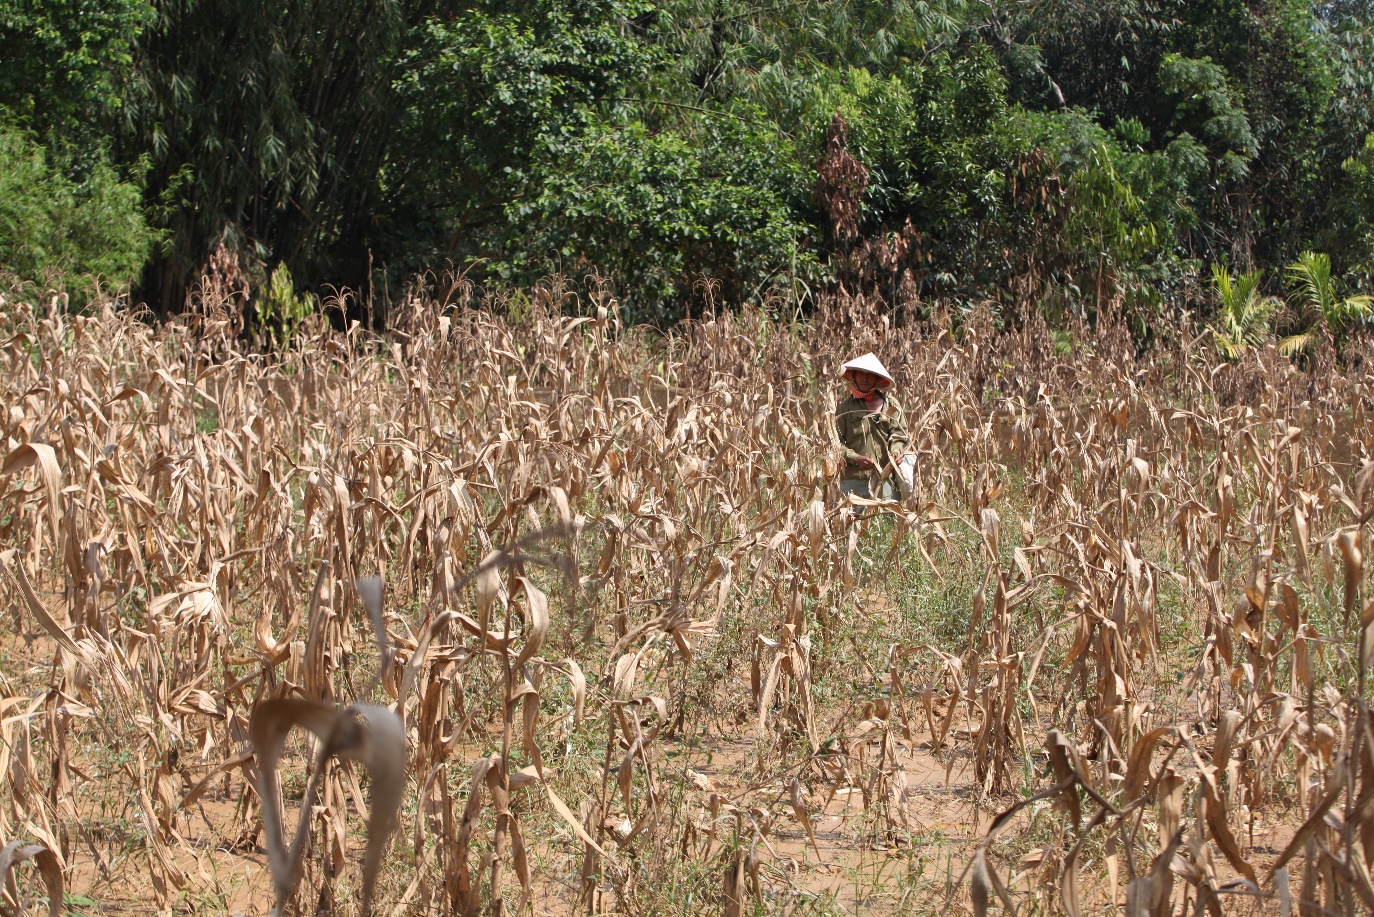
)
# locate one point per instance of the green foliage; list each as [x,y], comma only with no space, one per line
[481,95]
[1243,312]
[949,154]
[266,125]
[1361,170]
[67,219]
[765,54]
[935,143]
[57,231]
[1253,83]
[660,211]
[280,311]
[1209,106]
[1354,219]
[1110,211]
[1092,211]
[63,63]
[1348,33]
[1092,55]
[1064,155]
[1319,309]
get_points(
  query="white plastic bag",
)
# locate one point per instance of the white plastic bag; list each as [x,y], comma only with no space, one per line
[906,473]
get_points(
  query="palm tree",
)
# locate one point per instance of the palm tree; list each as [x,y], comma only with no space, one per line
[1243,320]
[1317,307]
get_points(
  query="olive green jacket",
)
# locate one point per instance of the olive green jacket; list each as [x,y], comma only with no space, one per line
[882,436]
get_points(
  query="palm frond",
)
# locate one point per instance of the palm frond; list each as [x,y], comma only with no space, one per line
[1244,314]
[1294,344]
[1317,300]
[1353,308]
[1311,276]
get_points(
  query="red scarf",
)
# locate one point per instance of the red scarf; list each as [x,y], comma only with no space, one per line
[873,400]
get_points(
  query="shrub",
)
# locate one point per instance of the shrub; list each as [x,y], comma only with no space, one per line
[59,229]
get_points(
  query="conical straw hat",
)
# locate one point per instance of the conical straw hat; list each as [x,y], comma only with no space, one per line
[870,364]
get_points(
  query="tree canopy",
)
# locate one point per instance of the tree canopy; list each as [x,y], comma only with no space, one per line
[1054,154]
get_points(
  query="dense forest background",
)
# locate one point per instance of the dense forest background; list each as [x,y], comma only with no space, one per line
[1056,156]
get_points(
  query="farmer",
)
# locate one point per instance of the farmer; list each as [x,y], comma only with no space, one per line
[872,433]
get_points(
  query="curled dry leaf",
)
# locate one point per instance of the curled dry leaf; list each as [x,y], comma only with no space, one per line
[43,616]
[1138,770]
[488,585]
[370,590]
[366,733]
[980,885]
[1063,759]
[49,472]
[537,627]
[799,810]
[578,682]
[16,852]
[1352,565]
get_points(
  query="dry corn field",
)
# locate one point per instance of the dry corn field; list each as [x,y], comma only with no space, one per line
[512,612]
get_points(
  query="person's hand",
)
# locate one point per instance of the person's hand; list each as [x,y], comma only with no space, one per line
[864,461]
